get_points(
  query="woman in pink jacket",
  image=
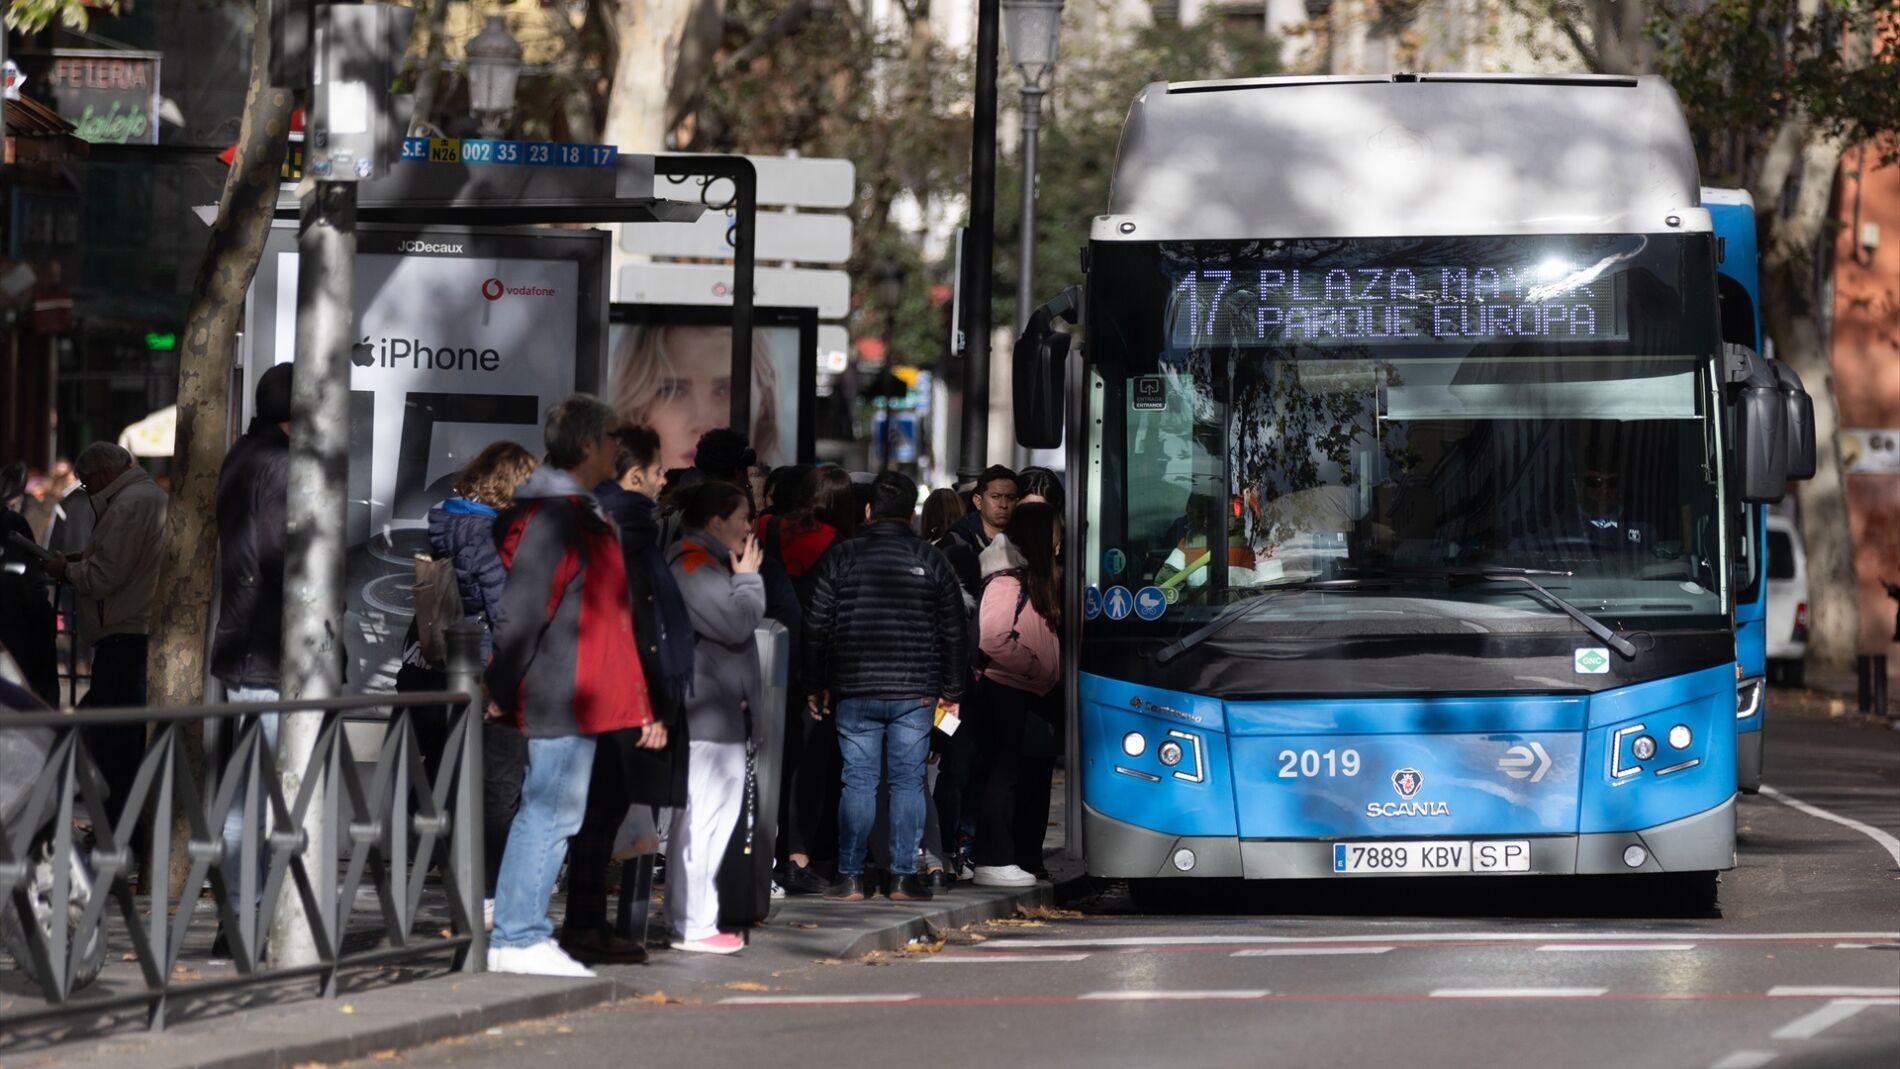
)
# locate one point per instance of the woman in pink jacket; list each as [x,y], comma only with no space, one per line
[1019,668]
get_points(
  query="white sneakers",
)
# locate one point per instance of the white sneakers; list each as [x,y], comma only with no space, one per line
[1003,876]
[542,959]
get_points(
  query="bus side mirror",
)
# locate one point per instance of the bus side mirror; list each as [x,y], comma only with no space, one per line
[1041,367]
[1762,424]
[1800,417]
[1762,448]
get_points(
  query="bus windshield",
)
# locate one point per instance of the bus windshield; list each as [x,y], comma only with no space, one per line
[1420,413]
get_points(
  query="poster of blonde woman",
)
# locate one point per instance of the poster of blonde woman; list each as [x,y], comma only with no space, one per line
[669,367]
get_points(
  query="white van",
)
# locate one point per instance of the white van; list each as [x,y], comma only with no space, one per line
[1787,603]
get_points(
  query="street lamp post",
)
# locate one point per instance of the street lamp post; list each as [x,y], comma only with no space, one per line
[890,293]
[1032,26]
[494,71]
[979,246]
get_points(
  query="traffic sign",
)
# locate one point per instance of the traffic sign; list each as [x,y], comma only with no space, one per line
[794,236]
[780,287]
[785,182]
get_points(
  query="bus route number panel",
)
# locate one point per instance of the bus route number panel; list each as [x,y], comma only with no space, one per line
[507,153]
[1432,856]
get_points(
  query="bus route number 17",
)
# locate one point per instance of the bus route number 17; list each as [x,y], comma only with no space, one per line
[1295,764]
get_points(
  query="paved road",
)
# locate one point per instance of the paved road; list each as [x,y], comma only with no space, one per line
[1800,966]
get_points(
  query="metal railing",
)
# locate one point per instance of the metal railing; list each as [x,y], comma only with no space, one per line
[388,832]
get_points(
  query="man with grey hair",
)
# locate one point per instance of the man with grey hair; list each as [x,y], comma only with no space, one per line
[113,582]
[566,670]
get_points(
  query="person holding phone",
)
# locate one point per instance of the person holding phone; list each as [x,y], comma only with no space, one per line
[716,564]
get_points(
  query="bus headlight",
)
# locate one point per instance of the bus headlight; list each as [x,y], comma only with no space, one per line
[1133,744]
[1680,736]
[1643,747]
[1169,752]
[1748,695]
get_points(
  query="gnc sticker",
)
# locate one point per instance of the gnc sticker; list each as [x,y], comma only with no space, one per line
[1593,661]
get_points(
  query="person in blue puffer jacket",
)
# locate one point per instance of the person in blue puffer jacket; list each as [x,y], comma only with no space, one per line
[461,529]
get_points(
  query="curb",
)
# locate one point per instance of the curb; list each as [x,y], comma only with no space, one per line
[357,1024]
[899,933]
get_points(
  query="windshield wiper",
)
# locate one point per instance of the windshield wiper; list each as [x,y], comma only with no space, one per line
[1527,576]
[1260,596]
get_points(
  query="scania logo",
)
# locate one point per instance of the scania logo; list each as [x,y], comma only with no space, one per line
[1408,809]
[493,289]
[1407,781]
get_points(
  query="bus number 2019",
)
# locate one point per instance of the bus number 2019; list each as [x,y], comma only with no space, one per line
[1298,763]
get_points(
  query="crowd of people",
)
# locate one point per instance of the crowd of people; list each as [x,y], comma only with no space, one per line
[619,604]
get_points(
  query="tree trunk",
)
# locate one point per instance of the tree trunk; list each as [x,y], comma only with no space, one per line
[429,78]
[177,663]
[652,72]
[1791,314]
[657,67]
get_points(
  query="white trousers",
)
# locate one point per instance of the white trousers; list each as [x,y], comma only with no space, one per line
[715,799]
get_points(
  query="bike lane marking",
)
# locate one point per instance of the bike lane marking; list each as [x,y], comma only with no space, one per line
[1887,842]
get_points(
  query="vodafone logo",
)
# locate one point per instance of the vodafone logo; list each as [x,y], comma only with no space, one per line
[495,289]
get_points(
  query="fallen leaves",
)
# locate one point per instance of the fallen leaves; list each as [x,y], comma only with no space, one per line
[660,998]
[746,985]
[804,924]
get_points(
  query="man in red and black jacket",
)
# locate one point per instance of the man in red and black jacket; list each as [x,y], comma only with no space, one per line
[566,669]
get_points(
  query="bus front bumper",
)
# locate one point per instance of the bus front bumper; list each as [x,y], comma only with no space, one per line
[1700,842]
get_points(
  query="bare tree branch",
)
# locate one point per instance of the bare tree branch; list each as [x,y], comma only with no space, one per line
[791,19]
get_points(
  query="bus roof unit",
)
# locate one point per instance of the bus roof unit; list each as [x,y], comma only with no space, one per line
[1306,157]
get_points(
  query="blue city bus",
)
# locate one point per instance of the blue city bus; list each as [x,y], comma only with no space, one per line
[1737,275]
[1407,464]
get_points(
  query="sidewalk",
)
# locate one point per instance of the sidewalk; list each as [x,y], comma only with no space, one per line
[286,1026]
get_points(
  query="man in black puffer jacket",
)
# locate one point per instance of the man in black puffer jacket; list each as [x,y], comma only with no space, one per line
[884,642]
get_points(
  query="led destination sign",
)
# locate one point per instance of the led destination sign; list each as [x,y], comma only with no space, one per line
[1395,304]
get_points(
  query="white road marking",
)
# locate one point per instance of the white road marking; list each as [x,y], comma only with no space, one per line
[1303,952]
[1618,948]
[1169,996]
[812,1000]
[1866,946]
[1832,991]
[1519,992]
[1809,1025]
[995,958]
[1887,842]
[1744,1059]
[1024,943]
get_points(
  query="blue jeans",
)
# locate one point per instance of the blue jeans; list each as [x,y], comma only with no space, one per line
[553,803]
[877,736]
[233,864]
